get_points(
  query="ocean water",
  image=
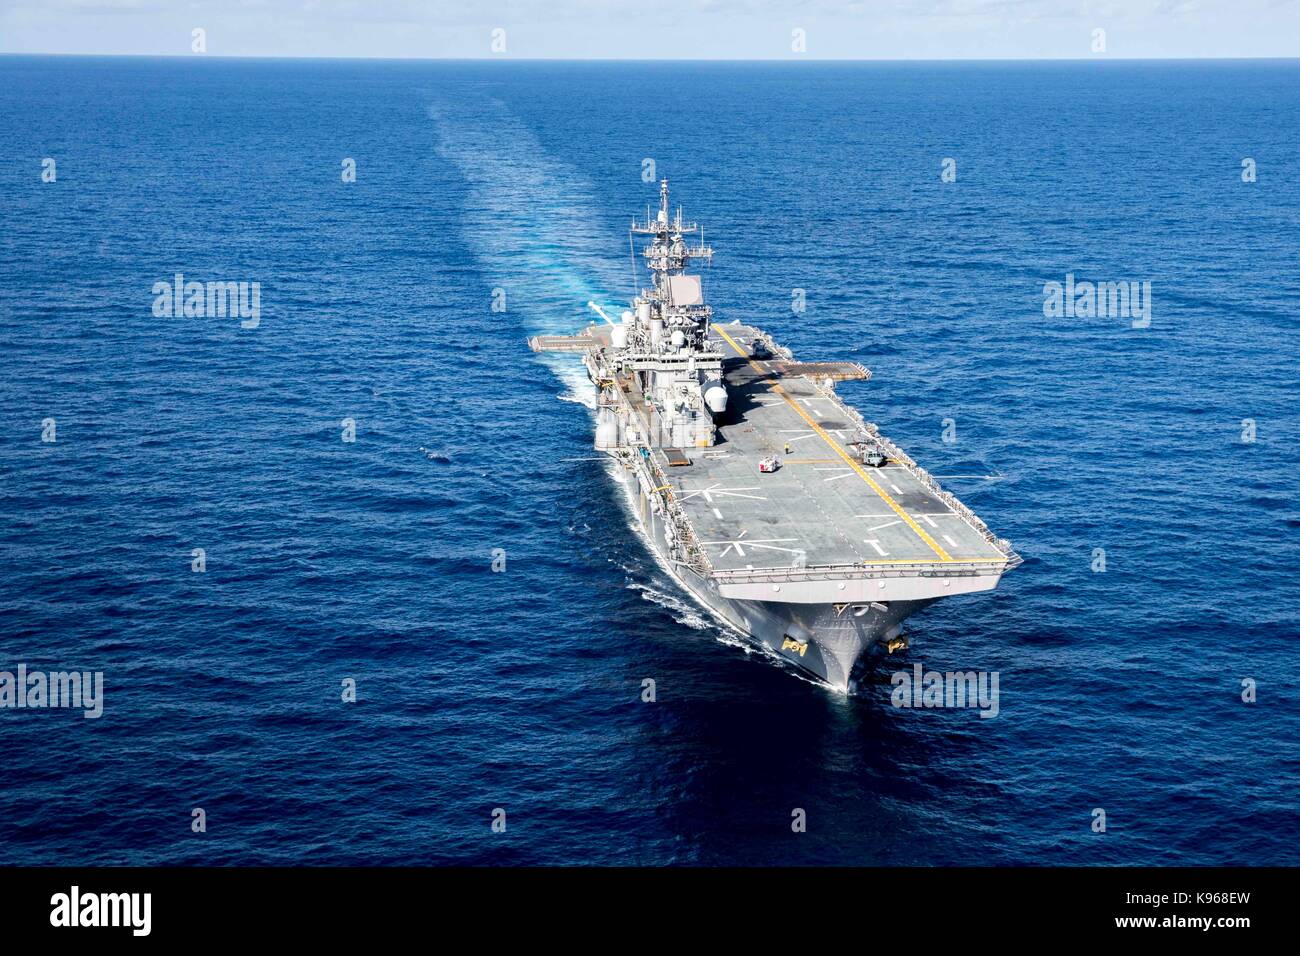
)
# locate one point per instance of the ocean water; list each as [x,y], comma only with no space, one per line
[371,560]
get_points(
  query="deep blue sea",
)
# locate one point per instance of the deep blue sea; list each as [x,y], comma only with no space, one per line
[371,560]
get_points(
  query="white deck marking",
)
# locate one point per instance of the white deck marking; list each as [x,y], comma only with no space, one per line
[897,490]
[740,546]
[887,524]
[717,514]
[889,515]
[842,474]
[928,520]
[876,544]
[717,489]
[772,547]
[948,538]
[798,433]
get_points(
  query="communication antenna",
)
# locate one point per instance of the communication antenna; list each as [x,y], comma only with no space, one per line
[631,251]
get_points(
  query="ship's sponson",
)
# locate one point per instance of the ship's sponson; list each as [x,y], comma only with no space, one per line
[564,343]
[858,582]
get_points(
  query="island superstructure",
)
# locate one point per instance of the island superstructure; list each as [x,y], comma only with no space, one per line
[765,495]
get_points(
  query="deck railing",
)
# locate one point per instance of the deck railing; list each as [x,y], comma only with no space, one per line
[859,569]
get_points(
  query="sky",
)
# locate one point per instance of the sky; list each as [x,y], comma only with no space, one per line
[657,29]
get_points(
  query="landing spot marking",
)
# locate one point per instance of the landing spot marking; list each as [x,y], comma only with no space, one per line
[740,545]
[717,489]
[876,544]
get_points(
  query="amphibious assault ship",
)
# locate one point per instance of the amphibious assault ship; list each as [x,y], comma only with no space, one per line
[766,496]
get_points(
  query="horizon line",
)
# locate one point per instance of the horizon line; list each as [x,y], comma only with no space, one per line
[584,59]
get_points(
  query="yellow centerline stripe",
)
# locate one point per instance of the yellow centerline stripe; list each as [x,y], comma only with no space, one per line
[835,446]
[943,555]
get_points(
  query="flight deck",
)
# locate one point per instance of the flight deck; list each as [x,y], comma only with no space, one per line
[823,506]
